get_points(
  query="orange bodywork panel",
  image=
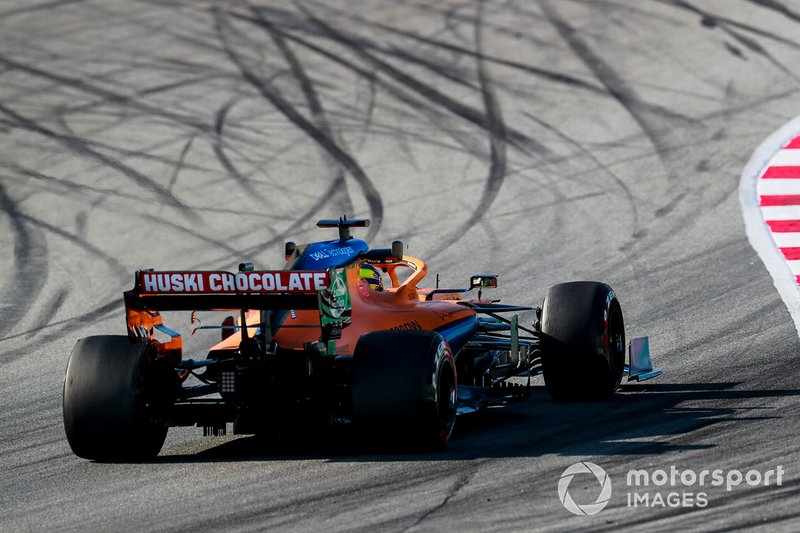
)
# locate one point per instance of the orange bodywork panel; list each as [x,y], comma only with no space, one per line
[401,306]
[149,321]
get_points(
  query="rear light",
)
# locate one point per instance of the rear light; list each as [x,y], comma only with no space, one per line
[227,381]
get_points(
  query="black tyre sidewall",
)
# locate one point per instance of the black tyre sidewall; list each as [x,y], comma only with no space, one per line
[578,360]
[401,385]
[105,417]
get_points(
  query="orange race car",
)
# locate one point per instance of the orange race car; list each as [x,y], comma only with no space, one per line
[324,343]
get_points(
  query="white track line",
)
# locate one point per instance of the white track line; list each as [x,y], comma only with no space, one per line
[758,233]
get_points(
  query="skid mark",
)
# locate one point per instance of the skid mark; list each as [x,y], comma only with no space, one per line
[105,94]
[222,157]
[50,309]
[777,7]
[458,485]
[111,309]
[546,74]
[114,264]
[636,231]
[24,284]
[81,147]
[199,235]
[614,83]
[518,138]
[179,164]
[42,6]
[496,129]
[271,94]
[416,104]
[711,20]
[318,116]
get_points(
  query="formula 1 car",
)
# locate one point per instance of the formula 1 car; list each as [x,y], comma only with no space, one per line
[313,346]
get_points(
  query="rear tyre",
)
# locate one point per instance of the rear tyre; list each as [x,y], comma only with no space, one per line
[583,341]
[110,393]
[404,385]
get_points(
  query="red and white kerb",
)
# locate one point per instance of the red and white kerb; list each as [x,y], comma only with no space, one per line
[779,194]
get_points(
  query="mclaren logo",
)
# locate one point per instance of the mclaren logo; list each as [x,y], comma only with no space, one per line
[584,467]
[409,325]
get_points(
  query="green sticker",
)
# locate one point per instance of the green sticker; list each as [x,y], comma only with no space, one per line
[334,302]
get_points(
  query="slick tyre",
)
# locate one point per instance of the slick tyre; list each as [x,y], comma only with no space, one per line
[583,337]
[405,387]
[110,389]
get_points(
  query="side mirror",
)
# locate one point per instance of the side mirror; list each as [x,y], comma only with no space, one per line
[288,250]
[397,250]
[483,281]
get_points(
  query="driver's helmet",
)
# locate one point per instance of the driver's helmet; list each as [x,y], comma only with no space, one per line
[371,276]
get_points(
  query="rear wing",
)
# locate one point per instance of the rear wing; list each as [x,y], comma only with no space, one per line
[218,290]
[266,290]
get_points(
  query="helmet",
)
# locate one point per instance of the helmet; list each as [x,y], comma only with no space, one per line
[371,276]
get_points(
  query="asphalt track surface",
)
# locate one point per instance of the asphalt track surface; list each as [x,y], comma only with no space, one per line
[545,141]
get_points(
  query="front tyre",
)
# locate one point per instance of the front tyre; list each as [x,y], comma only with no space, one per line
[111,389]
[583,340]
[404,383]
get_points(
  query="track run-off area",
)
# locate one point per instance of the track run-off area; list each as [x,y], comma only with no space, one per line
[544,141]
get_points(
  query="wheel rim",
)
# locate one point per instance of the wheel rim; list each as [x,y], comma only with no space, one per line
[447,399]
[616,341]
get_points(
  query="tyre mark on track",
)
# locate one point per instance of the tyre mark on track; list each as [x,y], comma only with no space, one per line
[317,111]
[66,184]
[777,6]
[30,268]
[451,71]
[222,157]
[711,21]
[254,517]
[81,147]
[202,236]
[615,84]
[636,232]
[143,153]
[369,112]
[459,484]
[550,75]
[111,309]
[105,94]
[517,138]
[179,164]
[112,262]
[50,308]
[80,189]
[300,223]
[271,94]
[496,128]
[417,105]
[38,7]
